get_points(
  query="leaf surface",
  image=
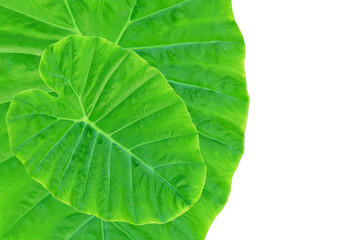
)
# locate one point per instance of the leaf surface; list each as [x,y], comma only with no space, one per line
[117,142]
[197,46]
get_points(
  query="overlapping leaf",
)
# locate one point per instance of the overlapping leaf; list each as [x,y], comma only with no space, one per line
[117,142]
[194,43]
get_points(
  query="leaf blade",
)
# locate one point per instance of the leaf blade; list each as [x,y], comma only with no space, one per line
[42,151]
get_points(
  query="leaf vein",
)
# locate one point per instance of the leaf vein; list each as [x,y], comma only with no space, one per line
[132,190]
[200,87]
[78,228]
[160,139]
[109,75]
[123,230]
[34,135]
[180,44]
[109,174]
[122,100]
[154,197]
[26,212]
[173,222]
[71,156]
[118,39]
[141,118]
[37,19]
[160,11]
[88,71]
[54,146]
[217,140]
[181,163]
[90,161]
[66,2]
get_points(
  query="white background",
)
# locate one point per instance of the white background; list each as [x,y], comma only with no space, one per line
[300,175]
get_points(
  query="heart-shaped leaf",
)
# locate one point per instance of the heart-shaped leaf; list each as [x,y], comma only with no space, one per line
[117,142]
[195,44]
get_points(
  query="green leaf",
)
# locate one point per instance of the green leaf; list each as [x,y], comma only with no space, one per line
[117,142]
[28,204]
[32,213]
[197,46]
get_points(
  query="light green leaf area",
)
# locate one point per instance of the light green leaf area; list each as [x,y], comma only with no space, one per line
[34,214]
[195,44]
[117,142]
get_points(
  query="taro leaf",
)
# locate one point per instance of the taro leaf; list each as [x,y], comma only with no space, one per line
[117,143]
[33,213]
[198,47]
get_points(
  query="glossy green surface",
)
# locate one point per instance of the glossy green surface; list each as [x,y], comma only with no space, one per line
[198,47]
[117,142]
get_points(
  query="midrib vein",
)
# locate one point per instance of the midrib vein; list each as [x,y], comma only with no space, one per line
[137,157]
[91,124]
[112,140]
